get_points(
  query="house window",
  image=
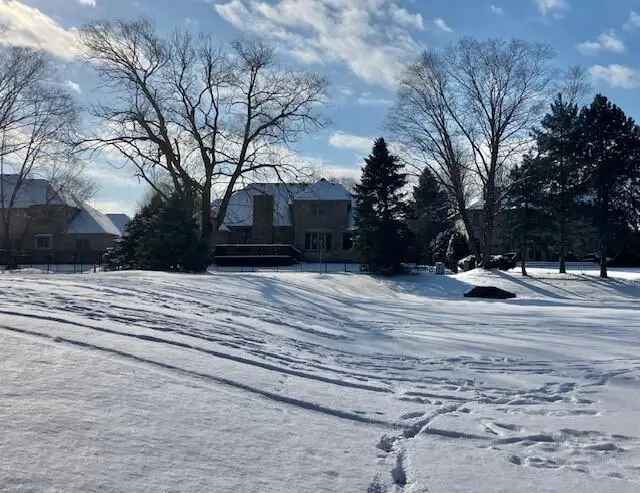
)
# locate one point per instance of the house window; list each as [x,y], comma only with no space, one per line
[318,240]
[43,242]
[347,241]
[318,210]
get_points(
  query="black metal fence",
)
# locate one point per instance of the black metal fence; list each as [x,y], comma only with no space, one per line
[317,267]
[54,262]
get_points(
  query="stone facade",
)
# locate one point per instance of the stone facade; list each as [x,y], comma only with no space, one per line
[317,219]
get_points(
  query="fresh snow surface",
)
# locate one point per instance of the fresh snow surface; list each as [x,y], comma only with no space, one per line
[302,382]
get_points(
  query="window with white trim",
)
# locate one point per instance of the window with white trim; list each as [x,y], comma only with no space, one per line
[43,242]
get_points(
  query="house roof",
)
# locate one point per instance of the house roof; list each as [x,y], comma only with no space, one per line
[37,191]
[120,221]
[240,209]
[90,221]
[33,191]
[324,190]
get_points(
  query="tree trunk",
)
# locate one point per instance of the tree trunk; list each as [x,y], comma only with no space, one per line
[604,243]
[473,239]
[205,213]
[6,243]
[563,208]
[604,231]
[604,274]
[563,243]
[524,250]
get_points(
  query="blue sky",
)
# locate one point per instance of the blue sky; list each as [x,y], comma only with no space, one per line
[360,45]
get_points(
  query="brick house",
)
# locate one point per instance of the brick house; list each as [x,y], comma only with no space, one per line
[317,219]
[544,244]
[50,226]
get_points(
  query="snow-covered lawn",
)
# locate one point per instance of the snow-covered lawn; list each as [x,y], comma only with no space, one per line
[300,382]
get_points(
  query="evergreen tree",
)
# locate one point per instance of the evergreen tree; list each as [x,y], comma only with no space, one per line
[381,234]
[557,142]
[429,210]
[526,199]
[609,158]
[164,235]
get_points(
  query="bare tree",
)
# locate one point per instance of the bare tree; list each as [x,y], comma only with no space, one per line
[482,99]
[207,116]
[501,89]
[422,123]
[37,121]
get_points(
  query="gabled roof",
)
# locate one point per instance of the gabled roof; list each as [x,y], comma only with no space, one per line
[324,190]
[240,209]
[120,221]
[90,221]
[37,191]
[33,191]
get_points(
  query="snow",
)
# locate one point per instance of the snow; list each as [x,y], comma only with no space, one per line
[340,382]
[90,221]
[324,190]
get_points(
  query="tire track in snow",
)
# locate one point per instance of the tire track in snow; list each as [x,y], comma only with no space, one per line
[299,403]
[211,352]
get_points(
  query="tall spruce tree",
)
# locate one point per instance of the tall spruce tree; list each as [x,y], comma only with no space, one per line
[609,157]
[526,199]
[429,211]
[381,234]
[557,141]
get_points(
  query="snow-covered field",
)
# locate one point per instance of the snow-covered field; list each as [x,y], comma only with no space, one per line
[294,382]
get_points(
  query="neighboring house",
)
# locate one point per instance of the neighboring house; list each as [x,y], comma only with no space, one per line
[51,226]
[544,243]
[317,219]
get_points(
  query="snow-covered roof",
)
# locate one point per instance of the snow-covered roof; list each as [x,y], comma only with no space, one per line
[90,221]
[324,190]
[33,191]
[120,221]
[240,209]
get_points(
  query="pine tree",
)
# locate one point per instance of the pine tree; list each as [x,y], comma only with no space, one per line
[557,144]
[381,234]
[429,210]
[164,235]
[609,157]
[526,199]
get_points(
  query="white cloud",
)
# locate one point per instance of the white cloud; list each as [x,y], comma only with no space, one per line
[356,143]
[616,76]
[441,24]
[496,10]
[554,8]
[369,99]
[73,86]
[371,37]
[405,18]
[633,22]
[88,3]
[606,42]
[29,27]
